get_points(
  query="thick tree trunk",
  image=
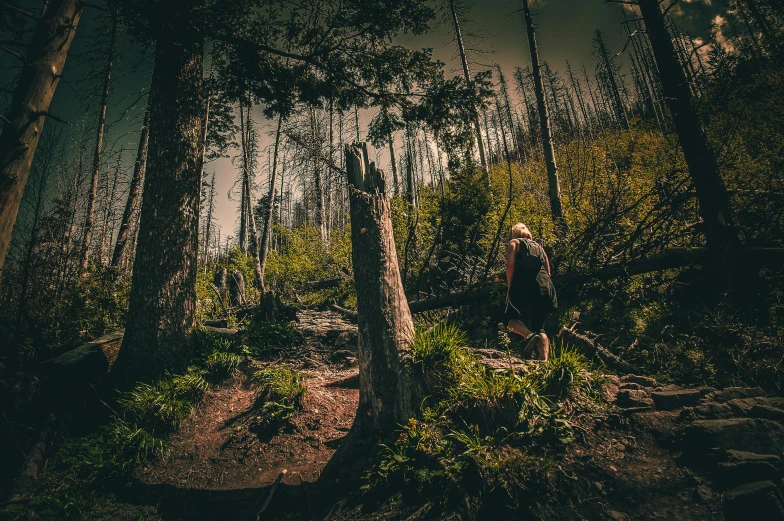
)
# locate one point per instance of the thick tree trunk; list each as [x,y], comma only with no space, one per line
[267,230]
[556,208]
[30,105]
[388,391]
[96,168]
[468,80]
[720,233]
[134,191]
[161,313]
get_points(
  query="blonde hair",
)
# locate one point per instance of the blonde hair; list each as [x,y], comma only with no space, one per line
[521,231]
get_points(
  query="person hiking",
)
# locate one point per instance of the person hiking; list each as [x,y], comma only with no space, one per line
[530,295]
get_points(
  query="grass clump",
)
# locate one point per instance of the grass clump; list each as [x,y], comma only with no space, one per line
[564,373]
[281,393]
[264,337]
[222,365]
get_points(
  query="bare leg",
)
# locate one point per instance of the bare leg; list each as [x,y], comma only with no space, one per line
[518,327]
[544,346]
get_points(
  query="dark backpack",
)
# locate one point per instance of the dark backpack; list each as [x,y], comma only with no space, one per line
[529,256]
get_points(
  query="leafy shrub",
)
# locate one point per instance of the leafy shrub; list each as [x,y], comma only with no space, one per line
[264,336]
[157,407]
[564,371]
[281,392]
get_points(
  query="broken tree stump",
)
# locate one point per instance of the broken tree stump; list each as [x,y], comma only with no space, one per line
[388,390]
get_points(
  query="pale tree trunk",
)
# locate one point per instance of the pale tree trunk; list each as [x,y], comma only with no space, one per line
[389,393]
[96,169]
[620,111]
[467,76]
[317,184]
[133,192]
[24,122]
[208,227]
[267,230]
[554,185]
[161,313]
[720,233]
[243,214]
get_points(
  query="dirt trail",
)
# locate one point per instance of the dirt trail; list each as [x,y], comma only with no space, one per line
[218,449]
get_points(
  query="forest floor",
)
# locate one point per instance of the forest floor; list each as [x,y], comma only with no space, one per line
[654,456]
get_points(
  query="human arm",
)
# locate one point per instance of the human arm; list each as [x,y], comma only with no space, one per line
[511,252]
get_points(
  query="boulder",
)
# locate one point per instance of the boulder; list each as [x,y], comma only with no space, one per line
[707,411]
[742,467]
[634,386]
[757,500]
[633,398]
[764,406]
[670,400]
[743,434]
[732,393]
[644,381]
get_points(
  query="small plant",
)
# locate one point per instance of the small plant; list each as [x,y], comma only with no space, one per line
[281,392]
[157,407]
[564,371]
[222,365]
[265,336]
[134,444]
[191,385]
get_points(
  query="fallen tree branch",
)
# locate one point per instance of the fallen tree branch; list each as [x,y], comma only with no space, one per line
[593,349]
[324,284]
[450,299]
[272,491]
[343,311]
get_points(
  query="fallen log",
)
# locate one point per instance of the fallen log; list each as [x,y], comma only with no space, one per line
[324,284]
[345,312]
[593,349]
[90,360]
[450,299]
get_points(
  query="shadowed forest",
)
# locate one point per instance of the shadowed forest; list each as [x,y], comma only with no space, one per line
[262,259]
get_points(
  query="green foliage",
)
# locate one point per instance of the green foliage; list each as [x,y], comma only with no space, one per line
[262,337]
[157,406]
[281,392]
[564,371]
[222,365]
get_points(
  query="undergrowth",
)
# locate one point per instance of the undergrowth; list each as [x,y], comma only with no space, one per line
[489,435]
[280,392]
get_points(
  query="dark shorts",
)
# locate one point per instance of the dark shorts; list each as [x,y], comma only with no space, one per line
[532,314]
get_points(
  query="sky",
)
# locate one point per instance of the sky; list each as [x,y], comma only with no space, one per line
[493,29]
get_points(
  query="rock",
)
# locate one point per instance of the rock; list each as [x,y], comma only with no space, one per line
[732,393]
[743,434]
[670,400]
[617,516]
[704,493]
[707,411]
[742,467]
[757,500]
[645,381]
[633,398]
[347,339]
[767,412]
[764,406]
[633,386]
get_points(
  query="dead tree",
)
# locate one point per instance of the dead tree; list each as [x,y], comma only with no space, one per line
[721,235]
[556,209]
[134,191]
[267,228]
[467,76]
[208,224]
[23,124]
[236,289]
[605,65]
[388,391]
[96,168]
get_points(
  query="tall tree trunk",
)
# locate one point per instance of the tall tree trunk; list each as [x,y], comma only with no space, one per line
[208,226]
[317,181]
[556,209]
[96,168]
[720,233]
[29,107]
[267,229]
[243,240]
[161,313]
[108,211]
[134,191]
[468,80]
[388,391]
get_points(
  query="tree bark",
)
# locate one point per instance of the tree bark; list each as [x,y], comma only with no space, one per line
[29,107]
[721,235]
[556,209]
[161,313]
[388,391]
[134,191]
[96,168]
